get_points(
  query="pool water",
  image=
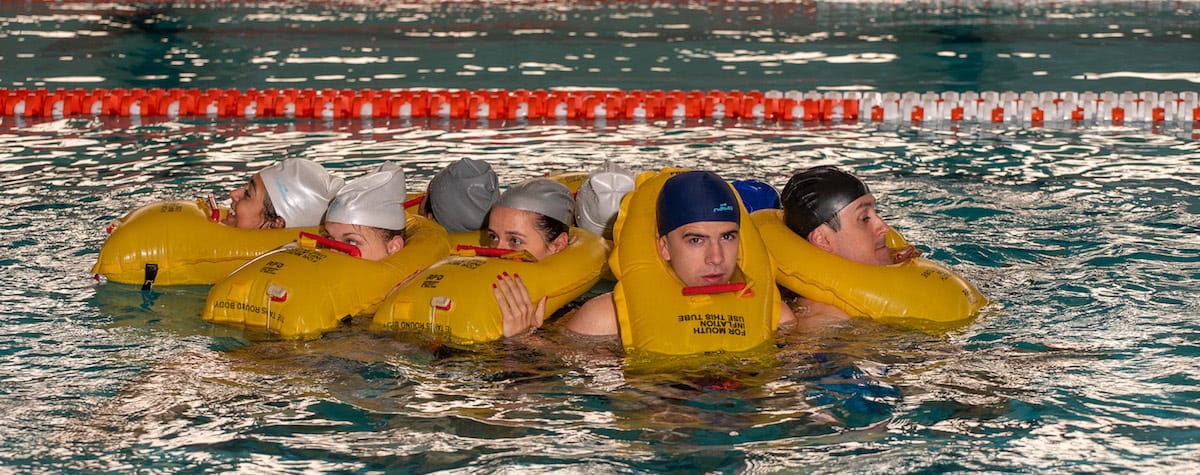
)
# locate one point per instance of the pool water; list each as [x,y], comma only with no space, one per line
[1087,240]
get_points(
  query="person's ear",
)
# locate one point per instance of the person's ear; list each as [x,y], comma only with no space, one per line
[277,223]
[394,244]
[559,243]
[663,253]
[822,238]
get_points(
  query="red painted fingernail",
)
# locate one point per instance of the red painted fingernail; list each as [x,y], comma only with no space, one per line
[498,277]
[505,273]
[493,286]
[516,275]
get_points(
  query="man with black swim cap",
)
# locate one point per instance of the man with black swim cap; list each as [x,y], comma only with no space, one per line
[698,221]
[835,211]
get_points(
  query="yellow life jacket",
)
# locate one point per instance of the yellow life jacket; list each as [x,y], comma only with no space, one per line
[181,243]
[654,313]
[907,293]
[302,291]
[453,299]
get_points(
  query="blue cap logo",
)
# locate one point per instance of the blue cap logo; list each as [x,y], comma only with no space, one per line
[723,207]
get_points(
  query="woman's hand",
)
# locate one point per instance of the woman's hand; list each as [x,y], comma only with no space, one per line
[519,313]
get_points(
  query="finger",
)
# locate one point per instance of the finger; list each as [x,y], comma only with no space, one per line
[517,296]
[540,313]
[502,297]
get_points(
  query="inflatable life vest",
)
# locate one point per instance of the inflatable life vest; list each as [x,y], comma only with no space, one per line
[453,300]
[301,291]
[181,243]
[917,289]
[659,315]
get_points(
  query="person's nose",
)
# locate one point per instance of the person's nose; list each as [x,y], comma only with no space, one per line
[712,254]
[879,228]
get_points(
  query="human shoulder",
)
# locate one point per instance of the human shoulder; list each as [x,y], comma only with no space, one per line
[811,315]
[597,316]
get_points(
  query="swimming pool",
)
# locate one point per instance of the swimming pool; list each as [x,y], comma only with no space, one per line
[1086,237]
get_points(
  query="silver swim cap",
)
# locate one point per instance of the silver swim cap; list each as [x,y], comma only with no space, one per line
[540,195]
[599,199]
[300,190]
[461,194]
[375,199]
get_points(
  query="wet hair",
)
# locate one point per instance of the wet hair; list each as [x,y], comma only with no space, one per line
[388,234]
[427,207]
[269,213]
[551,228]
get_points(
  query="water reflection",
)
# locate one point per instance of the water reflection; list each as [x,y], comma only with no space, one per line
[1085,239]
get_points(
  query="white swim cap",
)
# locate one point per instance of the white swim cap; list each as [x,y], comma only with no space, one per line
[300,190]
[599,199]
[540,195]
[461,194]
[375,199]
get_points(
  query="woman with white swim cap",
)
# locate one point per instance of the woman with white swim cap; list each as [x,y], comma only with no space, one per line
[289,194]
[368,213]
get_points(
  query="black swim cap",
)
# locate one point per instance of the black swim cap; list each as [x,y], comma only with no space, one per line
[695,196]
[814,197]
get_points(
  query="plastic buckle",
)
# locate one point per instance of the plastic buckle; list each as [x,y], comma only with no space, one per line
[277,293]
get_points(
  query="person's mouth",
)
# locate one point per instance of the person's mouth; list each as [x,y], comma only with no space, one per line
[713,278]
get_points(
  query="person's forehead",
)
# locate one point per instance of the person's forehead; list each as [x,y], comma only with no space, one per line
[864,201]
[708,227]
[503,217]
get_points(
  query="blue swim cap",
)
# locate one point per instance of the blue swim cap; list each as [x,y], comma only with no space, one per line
[757,194]
[695,196]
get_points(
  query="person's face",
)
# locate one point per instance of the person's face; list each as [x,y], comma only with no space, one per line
[516,229]
[702,253]
[247,206]
[368,240]
[861,237]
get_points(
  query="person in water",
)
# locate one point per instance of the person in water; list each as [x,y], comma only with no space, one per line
[599,199]
[531,216]
[368,213]
[834,211]
[757,194]
[459,196]
[697,237]
[289,194]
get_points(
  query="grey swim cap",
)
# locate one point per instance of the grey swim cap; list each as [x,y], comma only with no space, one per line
[599,199]
[375,199]
[814,197]
[461,194]
[540,195]
[300,190]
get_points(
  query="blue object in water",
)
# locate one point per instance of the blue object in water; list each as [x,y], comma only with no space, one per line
[757,194]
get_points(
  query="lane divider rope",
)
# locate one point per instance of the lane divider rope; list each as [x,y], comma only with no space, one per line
[1007,107]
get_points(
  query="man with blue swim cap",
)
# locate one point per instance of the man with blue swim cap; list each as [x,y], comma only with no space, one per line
[835,211]
[698,223]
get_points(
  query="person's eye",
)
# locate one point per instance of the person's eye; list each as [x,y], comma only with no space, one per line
[728,236]
[695,240]
[493,238]
[514,243]
[352,242]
